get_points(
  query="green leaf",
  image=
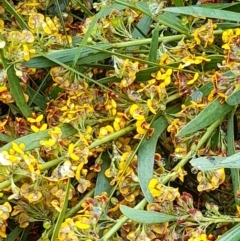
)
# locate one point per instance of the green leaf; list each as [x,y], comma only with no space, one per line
[227,25]
[11,10]
[205,90]
[234,98]
[5,138]
[25,234]
[62,213]
[207,163]
[17,92]
[205,12]
[218,5]
[15,87]
[93,58]
[36,98]
[146,157]
[231,151]
[102,183]
[14,234]
[31,141]
[232,234]
[214,111]
[54,8]
[154,45]
[63,55]
[233,7]
[83,8]
[215,162]
[141,216]
[213,64]
[143,25]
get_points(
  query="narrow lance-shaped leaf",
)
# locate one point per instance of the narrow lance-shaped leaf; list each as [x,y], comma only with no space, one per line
[205,12]
[215,162]
[15,87]
[142,216]
[231,151]
[143,25]
[102,183]
[14,234]
[234,98]
[63,55]
[214,111]
[154,45]
[207,163]
[146,154]
[31,141]
[232,234]
[8,6]
[17,92]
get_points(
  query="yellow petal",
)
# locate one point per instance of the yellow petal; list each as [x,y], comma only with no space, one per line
[81,225]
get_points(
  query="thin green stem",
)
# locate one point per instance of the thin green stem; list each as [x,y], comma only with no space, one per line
[112,136]
[146,41]
[121,221]
[77,207]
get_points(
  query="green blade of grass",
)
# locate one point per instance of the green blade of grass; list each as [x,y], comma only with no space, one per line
[14,234]
[85,9]
[60,15]
[11,10]
[62,213]
[26,232]
[146,157]
[142,27]
[36,98]
[57,7]
[15,87]
[154,45]
[205,12]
